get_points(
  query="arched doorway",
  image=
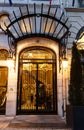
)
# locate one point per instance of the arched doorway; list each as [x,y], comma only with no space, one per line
[37,90]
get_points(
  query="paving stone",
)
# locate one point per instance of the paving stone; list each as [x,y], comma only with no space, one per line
[32,122]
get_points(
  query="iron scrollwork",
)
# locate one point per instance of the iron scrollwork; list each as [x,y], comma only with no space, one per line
[11,46]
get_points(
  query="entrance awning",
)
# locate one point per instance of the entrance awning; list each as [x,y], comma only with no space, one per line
[36,21]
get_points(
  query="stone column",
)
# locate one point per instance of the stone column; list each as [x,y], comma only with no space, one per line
[11,92]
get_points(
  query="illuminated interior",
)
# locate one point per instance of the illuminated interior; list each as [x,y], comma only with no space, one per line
[3,87]
[36,82]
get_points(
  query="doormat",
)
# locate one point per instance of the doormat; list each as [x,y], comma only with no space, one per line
[38,125]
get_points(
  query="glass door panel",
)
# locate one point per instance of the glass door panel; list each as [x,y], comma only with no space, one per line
[28,91]
[3,88]
[45,90]
[36,87]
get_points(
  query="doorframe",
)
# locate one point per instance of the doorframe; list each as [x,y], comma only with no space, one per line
[54,77]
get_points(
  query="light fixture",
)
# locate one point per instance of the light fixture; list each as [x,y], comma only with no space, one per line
[65,62]
[11,64]
[64,83]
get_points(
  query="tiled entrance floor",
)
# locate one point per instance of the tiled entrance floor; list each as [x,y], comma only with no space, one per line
[32,122]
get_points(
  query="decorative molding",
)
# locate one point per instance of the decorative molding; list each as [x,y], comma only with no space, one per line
[3,54]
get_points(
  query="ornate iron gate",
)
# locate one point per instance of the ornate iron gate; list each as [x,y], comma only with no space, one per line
[37,88]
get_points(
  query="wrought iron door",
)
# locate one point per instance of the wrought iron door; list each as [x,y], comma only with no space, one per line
[37,82]
[37,88]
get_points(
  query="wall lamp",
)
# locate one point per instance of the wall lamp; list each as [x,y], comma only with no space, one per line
[65,62]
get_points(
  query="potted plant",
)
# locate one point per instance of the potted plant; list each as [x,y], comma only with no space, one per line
[75,111]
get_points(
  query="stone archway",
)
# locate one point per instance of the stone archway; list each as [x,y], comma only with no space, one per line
[37,89]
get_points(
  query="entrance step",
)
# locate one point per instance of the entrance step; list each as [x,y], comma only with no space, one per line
[38,121]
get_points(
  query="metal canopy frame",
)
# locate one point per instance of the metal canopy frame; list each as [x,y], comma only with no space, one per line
[47,19]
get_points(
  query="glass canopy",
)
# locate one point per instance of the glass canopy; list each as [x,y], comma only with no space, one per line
[36,20]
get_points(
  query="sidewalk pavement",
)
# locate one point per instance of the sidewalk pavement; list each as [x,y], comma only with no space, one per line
[32,122]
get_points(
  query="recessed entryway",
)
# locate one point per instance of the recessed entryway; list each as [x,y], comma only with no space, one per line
[37,90]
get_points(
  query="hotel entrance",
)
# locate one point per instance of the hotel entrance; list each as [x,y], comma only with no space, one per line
[37,91]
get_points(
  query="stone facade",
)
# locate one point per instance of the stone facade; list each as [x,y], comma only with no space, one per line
[76,19]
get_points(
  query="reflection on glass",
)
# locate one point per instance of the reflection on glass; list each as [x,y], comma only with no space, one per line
[37,93]
[28,87]
[3,87]
[36,81]
[36,54]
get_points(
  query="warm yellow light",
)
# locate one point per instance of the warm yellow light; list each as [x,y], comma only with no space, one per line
[3,19]
[65,63]
[30,54]
[80,42]
[10,63]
